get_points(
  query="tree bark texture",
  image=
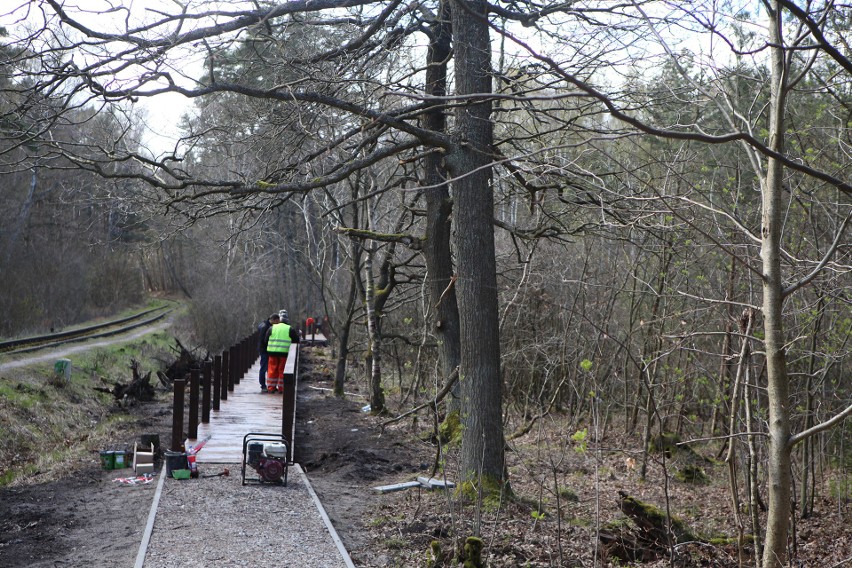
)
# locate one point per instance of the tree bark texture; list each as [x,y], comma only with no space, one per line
[436,249]
[377,396]
[345,322]
[778,388]
[481,389]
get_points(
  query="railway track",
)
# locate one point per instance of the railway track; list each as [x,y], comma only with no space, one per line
[106,329]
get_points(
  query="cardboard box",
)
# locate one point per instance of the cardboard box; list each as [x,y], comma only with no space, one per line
[143,458]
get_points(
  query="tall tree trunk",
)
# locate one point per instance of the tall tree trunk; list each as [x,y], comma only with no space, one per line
[808,451]
[436,249]
[377,395]
[23,216]
[344,328]
[727,357]
[746,323]
[481,389]
[754,501]
[778,387]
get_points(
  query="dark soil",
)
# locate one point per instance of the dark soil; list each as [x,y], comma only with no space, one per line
[83,518]
[345,454]
[87,519]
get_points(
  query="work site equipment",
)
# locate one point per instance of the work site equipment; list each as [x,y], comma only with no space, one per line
[267,454]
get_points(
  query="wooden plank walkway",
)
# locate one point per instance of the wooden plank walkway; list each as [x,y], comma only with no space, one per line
[231,510]
[315,338]
[246,410]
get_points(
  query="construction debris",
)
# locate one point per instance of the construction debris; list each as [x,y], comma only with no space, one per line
[424,482]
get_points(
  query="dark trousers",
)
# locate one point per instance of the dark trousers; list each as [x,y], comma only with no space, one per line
[264,363]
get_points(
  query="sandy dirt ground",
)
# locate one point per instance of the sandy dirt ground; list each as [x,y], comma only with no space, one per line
[88,519]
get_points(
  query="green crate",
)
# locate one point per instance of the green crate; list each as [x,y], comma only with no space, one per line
[119,460]
[107,459]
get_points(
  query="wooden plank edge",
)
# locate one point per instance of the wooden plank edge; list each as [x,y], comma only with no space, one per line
[432,483]
[396,487]
[149,526]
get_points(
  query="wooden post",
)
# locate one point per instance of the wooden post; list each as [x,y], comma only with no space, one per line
[217,381]
[288,417]
[205,391]
[192,426]
[244,358]
[226,373]
[238,362]
[177,415]
[232,368]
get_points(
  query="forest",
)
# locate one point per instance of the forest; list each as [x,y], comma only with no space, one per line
[621,216]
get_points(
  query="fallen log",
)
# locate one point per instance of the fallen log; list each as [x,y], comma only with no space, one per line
[620,541]
[651,536]
[655,527]
[140,390]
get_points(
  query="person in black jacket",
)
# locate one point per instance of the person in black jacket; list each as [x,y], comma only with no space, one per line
[263,331]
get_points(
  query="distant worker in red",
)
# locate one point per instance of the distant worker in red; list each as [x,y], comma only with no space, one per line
[309,326]
[279,338]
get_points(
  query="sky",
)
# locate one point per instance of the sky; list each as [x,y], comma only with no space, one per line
[164,111]
[164,114]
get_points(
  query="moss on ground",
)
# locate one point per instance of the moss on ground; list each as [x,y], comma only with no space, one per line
[450,430]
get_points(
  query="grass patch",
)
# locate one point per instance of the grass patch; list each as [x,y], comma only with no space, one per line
[48,425]
[395,543]
[568,495]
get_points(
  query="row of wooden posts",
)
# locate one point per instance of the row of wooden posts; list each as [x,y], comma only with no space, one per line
[210,384]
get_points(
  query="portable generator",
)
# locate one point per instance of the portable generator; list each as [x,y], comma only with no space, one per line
[267,455]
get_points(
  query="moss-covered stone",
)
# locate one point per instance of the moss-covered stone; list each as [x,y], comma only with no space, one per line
[691,474]
[472,553]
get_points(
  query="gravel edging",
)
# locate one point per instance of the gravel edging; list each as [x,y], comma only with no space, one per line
[216,521]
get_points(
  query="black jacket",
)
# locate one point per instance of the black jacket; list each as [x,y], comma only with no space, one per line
[262,330]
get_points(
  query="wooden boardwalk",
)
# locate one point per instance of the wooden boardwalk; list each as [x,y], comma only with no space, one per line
[224,522]
[246,410]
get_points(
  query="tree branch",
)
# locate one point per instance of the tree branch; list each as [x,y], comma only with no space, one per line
[819,427]
[448,386]
[412,242]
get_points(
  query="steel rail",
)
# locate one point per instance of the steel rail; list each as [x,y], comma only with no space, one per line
[35,343]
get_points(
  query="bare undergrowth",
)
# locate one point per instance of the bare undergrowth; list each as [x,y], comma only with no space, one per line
[63,508]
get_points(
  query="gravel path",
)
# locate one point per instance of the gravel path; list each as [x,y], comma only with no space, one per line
[215,521]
